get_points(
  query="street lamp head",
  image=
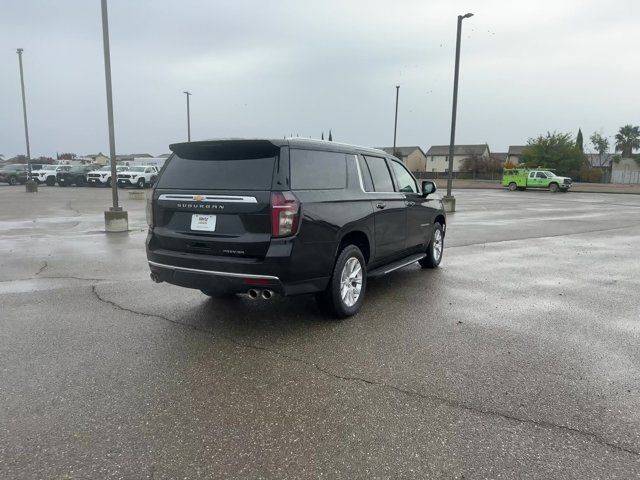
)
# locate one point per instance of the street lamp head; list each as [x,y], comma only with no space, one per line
[19,51]
[187,93]
[468,15]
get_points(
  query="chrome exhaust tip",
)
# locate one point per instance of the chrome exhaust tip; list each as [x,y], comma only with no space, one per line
[267,294]
[253,293]
[154,276]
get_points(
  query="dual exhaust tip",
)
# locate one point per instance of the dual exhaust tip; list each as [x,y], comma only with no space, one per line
[264,294]
[252,292]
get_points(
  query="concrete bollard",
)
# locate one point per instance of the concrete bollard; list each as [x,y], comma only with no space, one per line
[449,204]
[116,220]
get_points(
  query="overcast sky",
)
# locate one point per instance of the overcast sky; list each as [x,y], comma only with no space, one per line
[261,68]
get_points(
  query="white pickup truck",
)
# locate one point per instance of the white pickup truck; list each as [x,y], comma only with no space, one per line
[139,176]
[103,176]
[47,174]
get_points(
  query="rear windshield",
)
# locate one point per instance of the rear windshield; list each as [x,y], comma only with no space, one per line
[218,174]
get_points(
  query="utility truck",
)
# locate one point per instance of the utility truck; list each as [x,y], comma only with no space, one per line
[523,178]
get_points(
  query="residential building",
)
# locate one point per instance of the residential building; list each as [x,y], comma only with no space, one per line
[502,157]
[515,153]
[438,156]
[413,157]
[99,158]
[600,161]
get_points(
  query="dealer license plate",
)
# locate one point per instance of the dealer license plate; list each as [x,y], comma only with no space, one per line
[206,223]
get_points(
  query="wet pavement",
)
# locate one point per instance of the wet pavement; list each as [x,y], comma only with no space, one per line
[518,358]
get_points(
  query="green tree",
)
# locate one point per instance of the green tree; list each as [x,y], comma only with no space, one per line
[579,140]
[628,140]
[556,151]
[601,146]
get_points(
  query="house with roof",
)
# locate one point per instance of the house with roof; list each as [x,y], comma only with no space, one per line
[438,156]
[98,158]
[600,161]
[413,157]
[515,153]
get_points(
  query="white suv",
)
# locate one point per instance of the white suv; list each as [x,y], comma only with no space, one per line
[140,177]
[103,176]
[47,174]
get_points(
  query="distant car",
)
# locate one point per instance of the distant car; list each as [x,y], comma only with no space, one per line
[47,174]
[13,173]
[103,175]
[523,178]
[75,175]
[140,177]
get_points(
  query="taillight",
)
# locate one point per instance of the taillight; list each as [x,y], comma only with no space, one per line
[285,213]
[149,211]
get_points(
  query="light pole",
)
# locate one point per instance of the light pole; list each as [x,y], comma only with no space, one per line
[395,123]
[30,185]
[449,200]
[188,94]
[115,219]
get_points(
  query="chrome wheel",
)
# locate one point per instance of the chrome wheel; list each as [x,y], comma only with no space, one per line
[437,245]
[351,282]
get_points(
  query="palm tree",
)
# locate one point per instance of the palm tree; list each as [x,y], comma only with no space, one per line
[627,140]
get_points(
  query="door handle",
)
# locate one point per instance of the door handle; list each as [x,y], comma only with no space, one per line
[381,205]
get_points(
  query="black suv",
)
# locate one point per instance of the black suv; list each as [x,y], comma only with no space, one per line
[289,216]
[13,173]
[75,175]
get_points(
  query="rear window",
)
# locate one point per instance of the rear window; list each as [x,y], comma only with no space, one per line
[316,170]
[218,174]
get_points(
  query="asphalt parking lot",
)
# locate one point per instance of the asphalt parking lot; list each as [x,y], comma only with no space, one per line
[518,358]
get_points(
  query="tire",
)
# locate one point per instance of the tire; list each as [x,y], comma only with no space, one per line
[338,299]
[140,183]
[13,181]
[513,186]
[553,187]
[435,250]
[108,183]
[51,181]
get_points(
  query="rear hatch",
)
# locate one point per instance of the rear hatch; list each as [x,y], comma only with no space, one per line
[214,198]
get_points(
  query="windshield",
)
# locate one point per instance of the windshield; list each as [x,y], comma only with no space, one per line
[48,167]
[105,169]
[137,169]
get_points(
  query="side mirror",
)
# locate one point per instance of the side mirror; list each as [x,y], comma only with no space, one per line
[428,187]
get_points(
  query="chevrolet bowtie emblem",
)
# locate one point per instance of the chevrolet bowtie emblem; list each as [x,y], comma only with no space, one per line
[198,198]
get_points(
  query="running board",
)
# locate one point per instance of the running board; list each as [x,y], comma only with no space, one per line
[390,267]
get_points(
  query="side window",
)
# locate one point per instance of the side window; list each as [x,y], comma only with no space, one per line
[317,170]
[380,174]
[541,175]
[366,175]
[532,175]
[148,170]
[406,182]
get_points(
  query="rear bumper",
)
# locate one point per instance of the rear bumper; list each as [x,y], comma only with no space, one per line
[278,271]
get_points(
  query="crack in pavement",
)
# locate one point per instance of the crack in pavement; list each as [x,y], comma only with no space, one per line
[444,401]
[42,268]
